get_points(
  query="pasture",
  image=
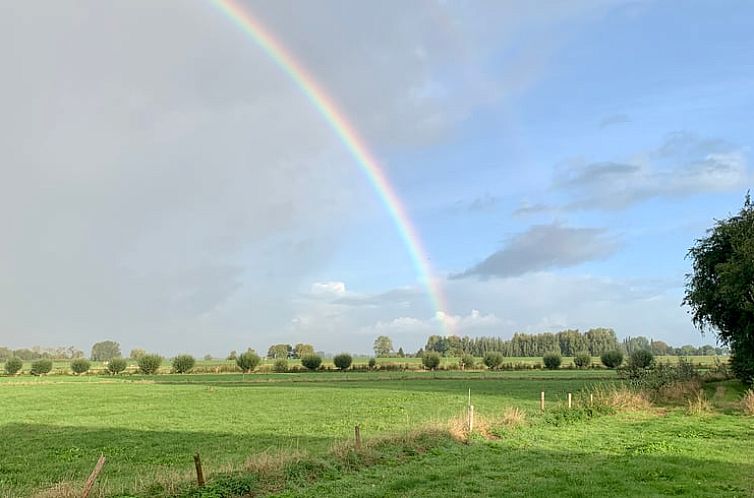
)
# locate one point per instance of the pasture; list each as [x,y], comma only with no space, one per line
[53,429]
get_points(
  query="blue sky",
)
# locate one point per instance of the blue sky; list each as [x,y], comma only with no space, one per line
[558,159]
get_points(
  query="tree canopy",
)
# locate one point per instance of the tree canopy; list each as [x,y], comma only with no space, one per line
[383,346]
[105,351]
[720,290]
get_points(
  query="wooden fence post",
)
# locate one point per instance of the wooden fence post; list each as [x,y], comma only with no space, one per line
[471,419]
[569,401]
[199,471]
[357,436]
[542,401]
[93,476]
[591,399]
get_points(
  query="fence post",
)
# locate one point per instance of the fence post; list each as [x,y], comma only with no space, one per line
[542,401]
[357,436]
[569,401]
[93,476]
[471,419]
[199,471]
[591,399]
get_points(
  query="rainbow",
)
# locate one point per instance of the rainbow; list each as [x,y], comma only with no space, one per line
[347,134]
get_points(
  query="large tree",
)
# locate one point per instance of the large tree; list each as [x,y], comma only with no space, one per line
[720,290]
[105,351]
[278,351]
[383,346]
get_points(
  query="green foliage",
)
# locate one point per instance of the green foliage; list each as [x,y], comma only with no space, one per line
[105,350]
[467,361]
[183,363]
[372,363]
[582,360]
[493,359]
[431,360]
[137,353]
[659,375]
[41,366]
[311,361]
[343,361]
[720,291]
[612,359]
[302,350]
[248,361]
[149,364]
[80,365]
[280,365]
[552,361]
[277,351]
[641,358]
[383,346]
[13,365]
[116,366]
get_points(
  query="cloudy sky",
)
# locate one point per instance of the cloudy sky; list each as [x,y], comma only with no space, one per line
[164,184]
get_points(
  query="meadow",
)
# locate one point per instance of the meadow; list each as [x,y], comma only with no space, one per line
[53,428]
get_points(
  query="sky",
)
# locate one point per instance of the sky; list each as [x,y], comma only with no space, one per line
[164,184]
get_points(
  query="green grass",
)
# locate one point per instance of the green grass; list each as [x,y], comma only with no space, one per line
[52,429]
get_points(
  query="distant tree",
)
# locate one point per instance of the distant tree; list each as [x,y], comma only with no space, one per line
[149,364]
[641,358]
[5,353]
[80,365]
[105,351]
[137,353]
[401,354]
[372,363]
[208,357]
[383,346]
[467,361]
[183,363]
[311,361]
[431,360]
[612,359]
[552,361]
[280,365]
[13,365]
[438,344]
[493,359]
[232,355]
[277,351]
[248,361]
[720,292]
[660,348]
[343,361]
[301,350]
[41,367]
[116,366]
[582,360]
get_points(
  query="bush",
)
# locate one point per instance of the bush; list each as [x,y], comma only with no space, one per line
[661,375]
[467,361]
[431,360]
[13,365]
[149,364]
[641,358]
[248,361]
[582,360]
[493,359]
[280,365]
[311,361]
[343,361]
[41,367]
[80,365]
[183,363]
[116,366]
[372,363]
[552,361]
[612,359]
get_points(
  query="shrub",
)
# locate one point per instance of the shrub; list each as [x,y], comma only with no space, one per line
[641,358]
[612,359]
[80,365]
[343,361]
[552,361]
[493,359]
[431,360]
[280,365]
[311,361]
[183,363]
[582,360]
[372,363]
[248,361]
[41,367]
[149,364]
[13,365]
[116,366]
[467,361]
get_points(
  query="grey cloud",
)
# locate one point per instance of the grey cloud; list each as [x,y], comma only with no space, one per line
[544,247]
[682,165]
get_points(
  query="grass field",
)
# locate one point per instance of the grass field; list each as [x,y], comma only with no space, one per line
[53,429]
